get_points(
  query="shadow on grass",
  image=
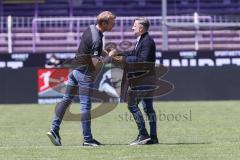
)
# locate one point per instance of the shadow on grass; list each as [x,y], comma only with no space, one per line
[115,144]
[183,143]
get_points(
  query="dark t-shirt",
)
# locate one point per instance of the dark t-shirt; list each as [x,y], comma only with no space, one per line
[90,50]
[91,42]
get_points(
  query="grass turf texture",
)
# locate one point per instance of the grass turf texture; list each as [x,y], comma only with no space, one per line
[212,132]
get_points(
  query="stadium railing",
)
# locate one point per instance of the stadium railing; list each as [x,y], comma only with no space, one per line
[62,34]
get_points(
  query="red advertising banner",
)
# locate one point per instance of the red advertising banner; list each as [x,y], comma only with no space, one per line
[51,82]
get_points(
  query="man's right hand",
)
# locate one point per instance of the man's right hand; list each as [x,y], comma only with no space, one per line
[113,52]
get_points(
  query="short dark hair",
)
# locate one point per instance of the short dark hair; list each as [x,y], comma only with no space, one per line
[143,21]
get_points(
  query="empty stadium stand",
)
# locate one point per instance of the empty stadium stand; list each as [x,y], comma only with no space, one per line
[63,35]
[53,35]
[121,8]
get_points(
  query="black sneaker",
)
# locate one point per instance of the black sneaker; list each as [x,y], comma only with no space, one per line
[54,137]
[140,140]
[93,143]
[153,141]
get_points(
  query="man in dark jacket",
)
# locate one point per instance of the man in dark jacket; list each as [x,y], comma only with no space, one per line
[140,59]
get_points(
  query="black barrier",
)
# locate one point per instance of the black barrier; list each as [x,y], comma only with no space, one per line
[190,83]
[204,83]
[167,58]
[196,75]
[18,86]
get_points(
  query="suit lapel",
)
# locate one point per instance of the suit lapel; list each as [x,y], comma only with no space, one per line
[135,51]
[139,45]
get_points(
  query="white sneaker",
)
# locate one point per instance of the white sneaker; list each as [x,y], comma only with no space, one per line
[54,137]
[93,143]
[140,140]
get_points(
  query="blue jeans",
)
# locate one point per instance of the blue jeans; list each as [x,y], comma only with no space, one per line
[82,80]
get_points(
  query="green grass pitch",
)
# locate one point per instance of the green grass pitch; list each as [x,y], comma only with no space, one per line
[200,130]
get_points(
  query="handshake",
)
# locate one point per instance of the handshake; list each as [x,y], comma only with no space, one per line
[114,54]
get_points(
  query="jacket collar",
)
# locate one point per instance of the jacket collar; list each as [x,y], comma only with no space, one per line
[142,36]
